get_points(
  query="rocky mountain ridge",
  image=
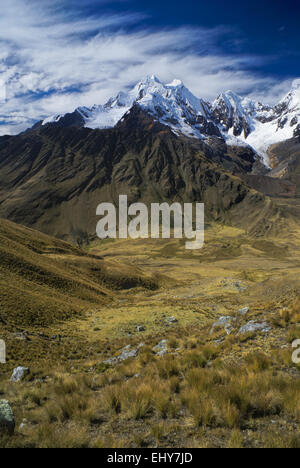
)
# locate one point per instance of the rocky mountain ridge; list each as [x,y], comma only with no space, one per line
[239,121]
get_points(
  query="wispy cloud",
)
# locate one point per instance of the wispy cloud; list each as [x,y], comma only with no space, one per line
[54,60]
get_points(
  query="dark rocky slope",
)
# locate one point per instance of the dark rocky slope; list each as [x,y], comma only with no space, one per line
[53,178]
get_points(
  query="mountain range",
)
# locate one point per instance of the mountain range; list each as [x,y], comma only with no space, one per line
[156,143]
[240,121]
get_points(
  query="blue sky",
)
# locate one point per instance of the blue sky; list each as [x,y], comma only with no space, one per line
[268,27]
[55,56]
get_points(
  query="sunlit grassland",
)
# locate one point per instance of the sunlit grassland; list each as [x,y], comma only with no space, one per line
[210,390]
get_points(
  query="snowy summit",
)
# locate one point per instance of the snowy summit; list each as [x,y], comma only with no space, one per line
[240,121]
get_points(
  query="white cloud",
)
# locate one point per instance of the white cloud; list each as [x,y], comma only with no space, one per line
[53,61]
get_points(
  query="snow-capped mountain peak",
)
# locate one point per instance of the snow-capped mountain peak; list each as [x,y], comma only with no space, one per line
[150,85]
[291,101]
[175,83]
[172,104]
[240,121]
[230,98]
[229,112]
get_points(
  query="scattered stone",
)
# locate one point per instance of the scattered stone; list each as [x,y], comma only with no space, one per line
[21,336]
[229,282]
[223,322]
[110,361]
[126,353]
[38,381]
[140,328]
[240,287]
[161,349]
[162,353]
[229,329]
[220,341]
[19,373]
[126,348]
[244,311]
[161,344]
[252,326]
[7,420]
[23,424]
[171,320]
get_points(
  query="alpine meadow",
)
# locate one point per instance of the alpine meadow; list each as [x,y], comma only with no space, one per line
[149,226]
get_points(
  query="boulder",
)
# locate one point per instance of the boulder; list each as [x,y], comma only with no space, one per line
[240,287]
[252,327]
[224,322]
[110,361]
[161,349]
[19,373]
[21,336]
[162,353]
[7,420]
[23,425]
[126,353]
[244,311]
[171,320]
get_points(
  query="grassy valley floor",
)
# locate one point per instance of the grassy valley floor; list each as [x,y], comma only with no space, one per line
[204,386]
